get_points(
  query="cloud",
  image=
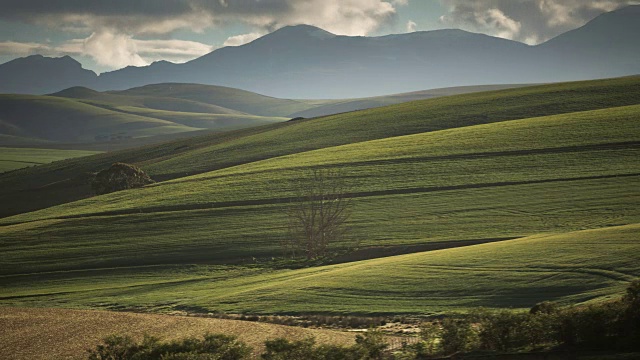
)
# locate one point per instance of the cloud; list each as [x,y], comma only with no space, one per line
[242,39]
[113,25]
[411,26]
[348,17]
[529,21]
[114,50]
[23,49]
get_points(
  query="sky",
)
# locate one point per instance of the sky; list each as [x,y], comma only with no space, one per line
[105,35]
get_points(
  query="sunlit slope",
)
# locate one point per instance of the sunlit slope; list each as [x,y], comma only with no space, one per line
[575,267]
[32,189]
[408,118]
[569,267]
[515,178]
[339,106]
[64,120]
[111,100]
[17,158]
[236,99]
[220,122]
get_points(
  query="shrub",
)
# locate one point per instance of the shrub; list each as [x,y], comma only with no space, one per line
[503,331]
[211,347]
[119,176]
[373,344]
[458,335]
[283,349]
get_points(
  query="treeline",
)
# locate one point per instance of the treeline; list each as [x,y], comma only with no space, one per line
[612,326]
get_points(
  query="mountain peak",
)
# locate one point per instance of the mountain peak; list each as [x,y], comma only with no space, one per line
[293,32]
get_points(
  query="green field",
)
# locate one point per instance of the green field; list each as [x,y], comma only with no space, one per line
[217,151]
[546,177]
[18,158]
[569,268]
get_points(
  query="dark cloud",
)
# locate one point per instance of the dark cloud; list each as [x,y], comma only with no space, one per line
[530,21]
[110,27]
[353,17]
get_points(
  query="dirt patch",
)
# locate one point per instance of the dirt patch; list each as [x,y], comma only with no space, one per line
[34,333]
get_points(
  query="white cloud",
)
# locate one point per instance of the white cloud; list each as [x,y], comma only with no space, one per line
[23,49]
[115,25]
[113,50]
[242,39]
[529,21]
[411,26]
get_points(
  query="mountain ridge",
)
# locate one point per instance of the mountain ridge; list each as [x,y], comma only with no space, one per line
[304,61]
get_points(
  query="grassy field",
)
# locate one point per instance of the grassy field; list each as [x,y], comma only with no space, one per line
[329,107]
[65,120]
[568,268]
[67,334]
[17,158]
[212,152]
[553,167]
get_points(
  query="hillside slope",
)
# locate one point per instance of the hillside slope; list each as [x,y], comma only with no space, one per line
[58,183]
[64,120]
[502,180]
[567,268]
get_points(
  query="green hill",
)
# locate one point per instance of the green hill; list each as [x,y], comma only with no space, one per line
[17,158]
[568,268]
[329,107]
[553,167]
[114,100]
[64,120]
[524,177]
[245,101]
[207,153]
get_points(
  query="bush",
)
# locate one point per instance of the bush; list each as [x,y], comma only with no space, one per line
[458,335]
[283,349]
[211,347]
[119,176]
[503,331]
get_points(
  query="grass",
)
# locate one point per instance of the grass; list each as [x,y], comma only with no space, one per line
[512,179]
[212,152]
[17,158]
[569,268]
[230,98]
[554,166]
[328,107]
[220,122]
[65,120]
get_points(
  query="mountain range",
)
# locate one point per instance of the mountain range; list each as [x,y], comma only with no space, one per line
[307,62]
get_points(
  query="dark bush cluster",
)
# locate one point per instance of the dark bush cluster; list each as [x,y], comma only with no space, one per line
[342,322]
[370,346]
[119,176]
[613,325]
[211,347]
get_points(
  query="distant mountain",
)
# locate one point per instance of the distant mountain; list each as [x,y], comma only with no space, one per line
[607,46]
[306,62]
[37,74]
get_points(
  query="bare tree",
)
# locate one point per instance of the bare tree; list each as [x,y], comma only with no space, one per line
[318,213]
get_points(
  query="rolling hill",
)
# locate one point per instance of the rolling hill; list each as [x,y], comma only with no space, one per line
[58,183]
[18,158]
[80,118]
[543,177]
[568,268]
